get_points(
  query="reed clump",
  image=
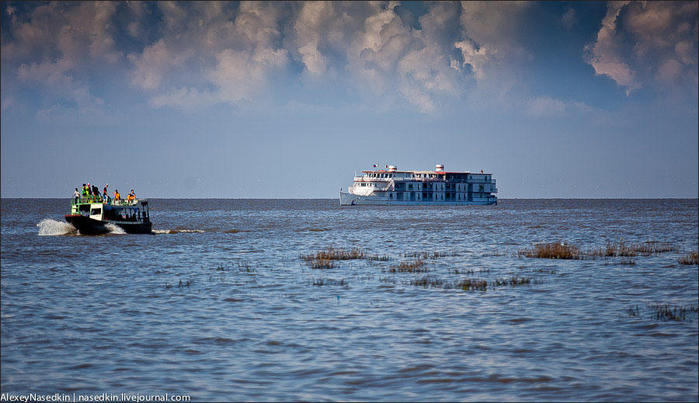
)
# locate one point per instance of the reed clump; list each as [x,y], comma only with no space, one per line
[472,284]
[690,259]
[329,281]
[428,281]
[335,254]
[622,249]
[674,312]
[379,258]
[427,255]
[325,258]
[512,281]
[322,264]
[415,266]
[554,250]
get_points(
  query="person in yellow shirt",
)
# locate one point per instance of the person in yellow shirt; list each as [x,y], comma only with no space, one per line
[117,196]
[131,197]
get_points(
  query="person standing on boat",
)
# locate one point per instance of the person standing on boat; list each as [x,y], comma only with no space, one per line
[76,195]
[131,197]
[117,197]
[95,192]
[104,193]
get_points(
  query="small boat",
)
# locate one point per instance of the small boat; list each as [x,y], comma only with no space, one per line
[91,215]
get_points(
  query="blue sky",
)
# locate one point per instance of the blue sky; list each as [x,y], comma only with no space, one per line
[288,100]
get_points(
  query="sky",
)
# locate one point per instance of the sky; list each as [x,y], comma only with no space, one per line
[291,99]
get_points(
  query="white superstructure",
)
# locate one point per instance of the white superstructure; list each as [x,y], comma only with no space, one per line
[438,187]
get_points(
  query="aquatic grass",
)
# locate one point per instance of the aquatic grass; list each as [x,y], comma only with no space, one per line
[665,312]
[512,281]
[428,255]
[472,284]
[322,263]
[335,254]
[690,259]
[329,281]
[325,258]
[652,247]
[554,250]
[429,281]
[469,271]
[415,266]
[622,249]
[674,312]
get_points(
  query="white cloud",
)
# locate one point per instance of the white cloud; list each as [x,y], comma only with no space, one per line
[53,47]
[490,32]
[209,53]
[604,55]
[569,19]
[644,42]
[226,58]
[545,106]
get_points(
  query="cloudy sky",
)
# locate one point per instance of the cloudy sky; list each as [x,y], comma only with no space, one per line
[288,100]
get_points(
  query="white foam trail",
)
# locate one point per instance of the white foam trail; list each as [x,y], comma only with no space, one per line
[49,227]
[114,229]
[177,231]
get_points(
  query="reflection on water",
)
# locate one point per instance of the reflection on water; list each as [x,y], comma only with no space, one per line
[221,305]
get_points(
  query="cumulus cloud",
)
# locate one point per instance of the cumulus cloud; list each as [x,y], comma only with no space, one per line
[235,52]
[192,55]
[226,56]
[643,42]
[56,42]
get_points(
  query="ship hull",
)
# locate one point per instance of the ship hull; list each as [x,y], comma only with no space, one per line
[349,199]
[89,226]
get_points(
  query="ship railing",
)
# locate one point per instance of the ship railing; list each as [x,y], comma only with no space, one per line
[100,199]
[86,199]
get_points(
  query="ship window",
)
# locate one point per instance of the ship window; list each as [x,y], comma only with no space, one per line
[96,211]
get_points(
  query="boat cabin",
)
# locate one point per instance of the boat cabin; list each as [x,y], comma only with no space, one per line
[120,211]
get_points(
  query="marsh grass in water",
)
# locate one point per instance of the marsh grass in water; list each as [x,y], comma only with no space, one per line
[554,250]
[330,281]
[690,259]
[325,258]
[664,312]
[622,249]
[562,250]
[429,255]
[472,284]
[414,266]
[674,312]
[335,254]
[512,281]
[429,281]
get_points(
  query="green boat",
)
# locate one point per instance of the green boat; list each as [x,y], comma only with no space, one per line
[91,215]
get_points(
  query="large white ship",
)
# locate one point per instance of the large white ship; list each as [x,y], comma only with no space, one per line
[438,187]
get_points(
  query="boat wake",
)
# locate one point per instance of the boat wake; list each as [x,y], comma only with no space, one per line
[177,231]
[115,229]
[49,227]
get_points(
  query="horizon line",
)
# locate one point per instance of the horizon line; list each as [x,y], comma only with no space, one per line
[335,198]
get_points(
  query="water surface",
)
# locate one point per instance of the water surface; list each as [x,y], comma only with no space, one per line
[218,304]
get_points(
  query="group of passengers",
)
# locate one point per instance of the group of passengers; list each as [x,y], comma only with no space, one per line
[91,194]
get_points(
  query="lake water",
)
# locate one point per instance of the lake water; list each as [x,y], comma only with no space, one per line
[219,305]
